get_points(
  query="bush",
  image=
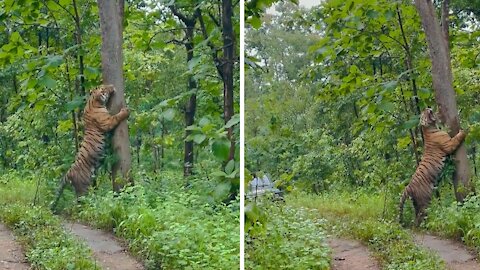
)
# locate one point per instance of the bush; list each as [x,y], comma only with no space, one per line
[461,222]
[47,245]
[169,229]
[291,239]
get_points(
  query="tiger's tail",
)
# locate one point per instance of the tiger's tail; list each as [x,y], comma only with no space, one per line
[402,204]
[58,194]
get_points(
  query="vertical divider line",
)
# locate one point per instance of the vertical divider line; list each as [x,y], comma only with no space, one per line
[242,134]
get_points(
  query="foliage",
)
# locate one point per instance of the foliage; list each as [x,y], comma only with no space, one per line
[290,239]
[453,220]
[169,225]
[50,58]
[47,244]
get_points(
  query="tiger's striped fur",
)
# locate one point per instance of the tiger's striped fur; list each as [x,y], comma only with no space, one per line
[437,145]
[97,121]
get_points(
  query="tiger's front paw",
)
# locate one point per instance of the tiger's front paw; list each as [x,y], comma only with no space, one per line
[125,111]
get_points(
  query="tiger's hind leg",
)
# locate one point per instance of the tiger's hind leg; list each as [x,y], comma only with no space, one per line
[420,213]
[58,194]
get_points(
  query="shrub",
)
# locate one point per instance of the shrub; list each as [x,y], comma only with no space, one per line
[47,245]
[169,229]
[292,239]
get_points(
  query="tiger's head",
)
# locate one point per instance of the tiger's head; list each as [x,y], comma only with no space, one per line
[102,93]
[428,118]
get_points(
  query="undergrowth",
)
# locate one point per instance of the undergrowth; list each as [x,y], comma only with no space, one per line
[363,216]
[168,224]
[448,218]
[286,238]
[46,243]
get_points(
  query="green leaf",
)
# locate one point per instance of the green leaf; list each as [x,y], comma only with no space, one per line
[203,122]
[15,37]
[221,149]
[221,191]
[193,62]
[387,106]
[389,86]
[193,127]
[230,167]
[76,102]
[411,123]
[233,121]
[47,81]
[54,61]
[199,138]
[168,114]
[255,22]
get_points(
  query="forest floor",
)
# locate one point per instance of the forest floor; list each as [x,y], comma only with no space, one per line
[351,255]
[455,254]
[107,250]
[11,254]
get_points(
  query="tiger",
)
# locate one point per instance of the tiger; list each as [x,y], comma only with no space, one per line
[97,122]
[437,146]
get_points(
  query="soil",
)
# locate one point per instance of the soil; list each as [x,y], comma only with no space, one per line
[455,255]
[351,255]
[11,254]
[107,250]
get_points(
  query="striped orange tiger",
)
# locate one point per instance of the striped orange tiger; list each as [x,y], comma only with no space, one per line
[97,121]
[437,145]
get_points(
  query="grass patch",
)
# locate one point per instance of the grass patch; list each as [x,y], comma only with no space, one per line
[461,222]
[16,188]
[289,238]
[364,217]
[46,243]
[169,226]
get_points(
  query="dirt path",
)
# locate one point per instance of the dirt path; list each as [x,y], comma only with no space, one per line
[455,255]
[11,254]
[110,255]
[351,255]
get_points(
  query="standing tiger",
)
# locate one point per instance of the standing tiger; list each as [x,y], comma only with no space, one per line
[437,145]
[97,121]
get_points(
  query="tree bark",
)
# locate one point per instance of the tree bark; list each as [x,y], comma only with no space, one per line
[228,64]
[442,79]
[191,104]
[78,41]
[111,26]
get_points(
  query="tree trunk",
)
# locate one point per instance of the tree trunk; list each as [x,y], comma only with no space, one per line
[190,106]
[444,94]
[78,41]
[228,64]
[111,26]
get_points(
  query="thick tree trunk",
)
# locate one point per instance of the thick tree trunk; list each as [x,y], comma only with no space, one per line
[111,26]
[444,94]
[228,64]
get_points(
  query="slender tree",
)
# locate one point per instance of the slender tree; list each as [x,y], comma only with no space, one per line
[228,64]
[191,104]
[111,26]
